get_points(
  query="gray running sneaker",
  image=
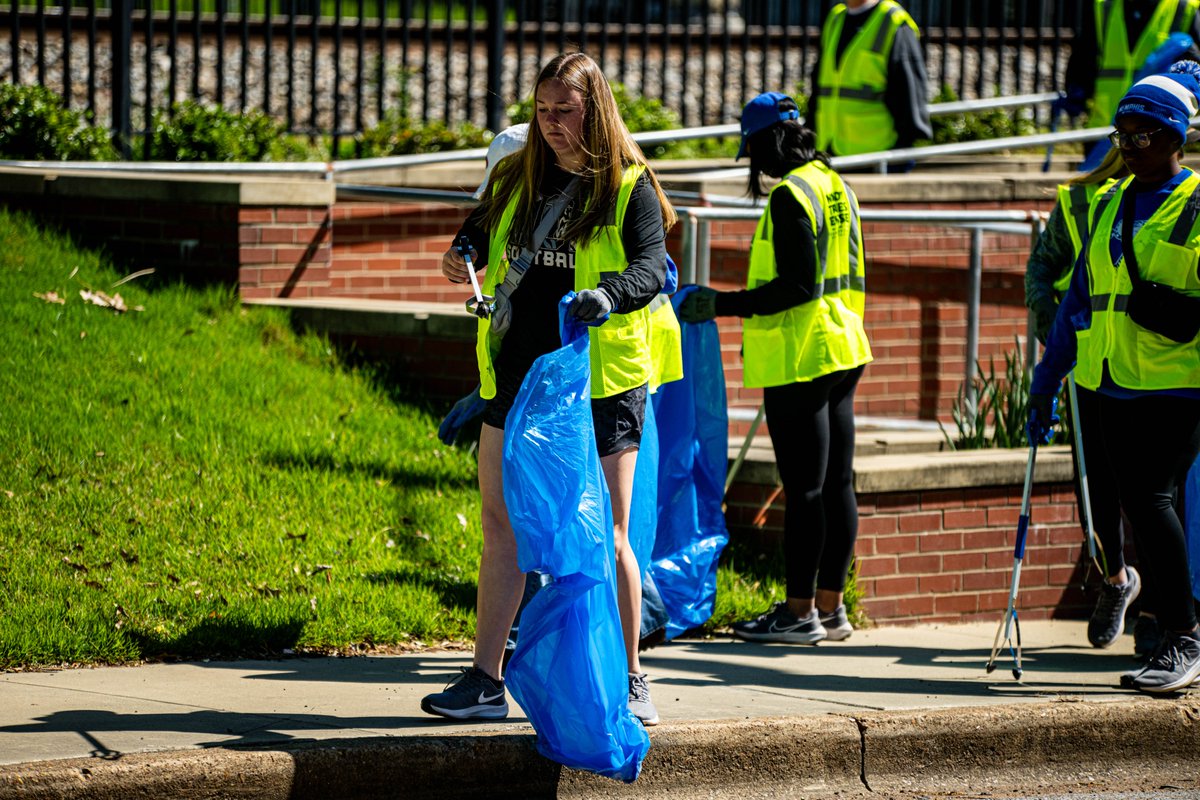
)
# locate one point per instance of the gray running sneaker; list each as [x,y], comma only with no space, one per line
[1175,666]
[1108,619]
[639,699]
[836,624]
[472,695]
[1146,635]
[779,625]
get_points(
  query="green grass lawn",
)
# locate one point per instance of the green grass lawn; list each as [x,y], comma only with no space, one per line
[193,479]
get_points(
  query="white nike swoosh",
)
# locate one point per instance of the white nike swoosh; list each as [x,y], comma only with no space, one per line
[483,698]
[776,629]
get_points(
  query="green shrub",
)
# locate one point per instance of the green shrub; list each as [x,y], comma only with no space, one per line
[1002,408]
[35,124]
[193,132]
[397,135]
[992,124]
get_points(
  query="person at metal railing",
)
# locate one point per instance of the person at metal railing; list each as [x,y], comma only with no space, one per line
[805,345]
[1129,326]
[576,210]
[869,83]
[1047,276]
[1115,39]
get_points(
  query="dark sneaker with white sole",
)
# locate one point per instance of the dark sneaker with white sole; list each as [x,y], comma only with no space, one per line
[836,624]
[1108,619]
[780,625]
[1175,666]
[472,695]
[639,699]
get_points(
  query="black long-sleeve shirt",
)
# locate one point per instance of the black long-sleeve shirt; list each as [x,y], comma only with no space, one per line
[906,94]
[795,262]
[1084,62]
[534,328]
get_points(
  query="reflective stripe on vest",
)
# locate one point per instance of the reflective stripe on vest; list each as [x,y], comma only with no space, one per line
[1117,60]
[825,334]
[1168,251]
[851,116]
[620,348]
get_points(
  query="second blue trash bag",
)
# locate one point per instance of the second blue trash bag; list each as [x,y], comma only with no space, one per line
[568,672]
[693,455]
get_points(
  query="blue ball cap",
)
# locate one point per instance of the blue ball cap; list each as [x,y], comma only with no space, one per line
[761,113]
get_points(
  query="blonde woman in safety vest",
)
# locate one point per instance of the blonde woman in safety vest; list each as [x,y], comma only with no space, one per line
[608,244]
[870,90]
[804,344]
[1047,277]
[1129,324]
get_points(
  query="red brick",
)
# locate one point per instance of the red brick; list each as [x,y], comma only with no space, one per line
[964,518]
[939,584]
[943,499]
[956,603]
[915,606]
[920,564]
[940,542]
[876,566]
[896,544]
[976,581]
[920,522]
[895,586]
[961,562]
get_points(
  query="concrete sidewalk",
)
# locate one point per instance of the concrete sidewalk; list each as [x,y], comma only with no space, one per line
[887,706]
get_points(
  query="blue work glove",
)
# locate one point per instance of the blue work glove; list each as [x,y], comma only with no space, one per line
[699,306]
[1042,419]
[463,412]
[591,305]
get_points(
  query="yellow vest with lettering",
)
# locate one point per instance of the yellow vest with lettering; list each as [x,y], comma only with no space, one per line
[1167,248]
[825,334]
[620,348]
[851,116]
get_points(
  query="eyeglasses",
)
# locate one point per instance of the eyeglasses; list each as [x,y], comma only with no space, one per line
[1139,140]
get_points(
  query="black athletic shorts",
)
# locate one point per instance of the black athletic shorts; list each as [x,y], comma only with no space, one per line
[618,419]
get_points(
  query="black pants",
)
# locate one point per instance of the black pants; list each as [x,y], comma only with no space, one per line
[1151,442]
[812,431]
[1102,484]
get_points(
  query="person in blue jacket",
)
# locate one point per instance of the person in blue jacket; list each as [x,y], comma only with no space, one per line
[1129,325]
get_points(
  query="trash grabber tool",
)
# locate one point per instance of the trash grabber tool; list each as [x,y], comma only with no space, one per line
[481,304]
[1010,624]
[1088,527]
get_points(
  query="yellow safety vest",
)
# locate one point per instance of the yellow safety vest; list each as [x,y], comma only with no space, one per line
[825,334]
[1168,250]
[851,116]
[1117,63]
[666,343]
[1074,199]
[620,348]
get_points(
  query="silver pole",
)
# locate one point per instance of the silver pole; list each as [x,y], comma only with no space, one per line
[703,252]
[973,320]
[687,260]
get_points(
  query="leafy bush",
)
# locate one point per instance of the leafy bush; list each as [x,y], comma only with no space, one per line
[1002,408]
[194,132]
[992,124]
[35,124]
[397,135]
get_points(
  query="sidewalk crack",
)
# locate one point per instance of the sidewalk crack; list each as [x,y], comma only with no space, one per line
[862,752]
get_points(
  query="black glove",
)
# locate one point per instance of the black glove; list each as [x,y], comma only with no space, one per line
[1043,318]
[699,306]
[1042,419]
[590,305]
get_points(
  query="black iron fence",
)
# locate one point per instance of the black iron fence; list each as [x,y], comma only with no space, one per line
[335,67]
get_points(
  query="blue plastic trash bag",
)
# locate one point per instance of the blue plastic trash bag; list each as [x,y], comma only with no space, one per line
[693,455]
[568,672]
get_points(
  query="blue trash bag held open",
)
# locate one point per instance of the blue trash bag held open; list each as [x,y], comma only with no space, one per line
[693,456]
[568,672]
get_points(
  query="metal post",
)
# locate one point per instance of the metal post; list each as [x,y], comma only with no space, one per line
[687,258]
[703,253]
[973,290]
[495,54]
[122,90]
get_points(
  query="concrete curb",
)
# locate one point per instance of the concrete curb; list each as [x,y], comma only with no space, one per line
[877,754]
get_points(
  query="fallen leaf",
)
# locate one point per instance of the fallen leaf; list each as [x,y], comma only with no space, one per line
[462,520]
[99,454]
[7,493]
[104,301]
[83,334]
[51,297]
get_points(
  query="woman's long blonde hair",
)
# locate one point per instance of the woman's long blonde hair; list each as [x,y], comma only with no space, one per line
[1113,166]
[609,150]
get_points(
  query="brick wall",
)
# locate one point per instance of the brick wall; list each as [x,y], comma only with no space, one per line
[946,555]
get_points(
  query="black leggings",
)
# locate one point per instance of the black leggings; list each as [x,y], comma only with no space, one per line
[1102,484]
[1151,442]
[812,431]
